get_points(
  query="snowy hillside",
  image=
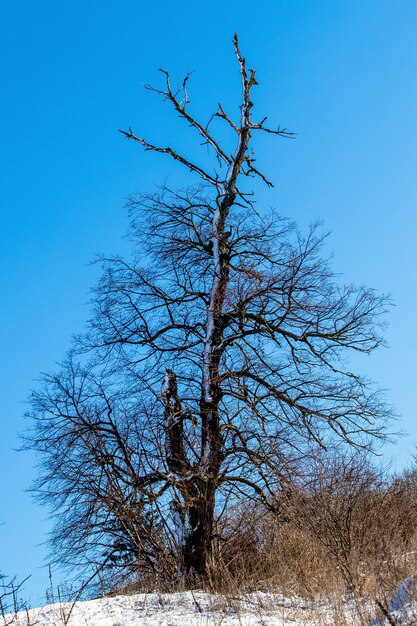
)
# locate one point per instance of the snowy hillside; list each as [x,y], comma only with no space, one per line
[182,609]
[187,609]
[195,608]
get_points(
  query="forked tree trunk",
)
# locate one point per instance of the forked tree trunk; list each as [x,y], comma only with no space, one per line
[197,483]
[195,510]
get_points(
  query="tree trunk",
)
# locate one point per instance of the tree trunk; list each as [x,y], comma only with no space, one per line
[198,541]
[197,485]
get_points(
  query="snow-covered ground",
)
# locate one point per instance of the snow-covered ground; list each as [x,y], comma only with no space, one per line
[185,609]
[201,609]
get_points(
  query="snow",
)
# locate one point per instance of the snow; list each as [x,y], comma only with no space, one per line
[196,608]
[182,609]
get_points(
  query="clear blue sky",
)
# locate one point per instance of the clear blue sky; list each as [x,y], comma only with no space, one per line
[342,74]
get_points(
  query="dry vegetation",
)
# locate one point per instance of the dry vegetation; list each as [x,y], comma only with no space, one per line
[347,532]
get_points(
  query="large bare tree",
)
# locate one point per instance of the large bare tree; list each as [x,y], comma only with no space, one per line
[218,356]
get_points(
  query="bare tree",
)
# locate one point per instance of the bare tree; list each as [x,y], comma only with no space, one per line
[10,602]
[241,322]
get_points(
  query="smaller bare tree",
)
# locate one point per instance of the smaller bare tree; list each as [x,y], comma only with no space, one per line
[10,602]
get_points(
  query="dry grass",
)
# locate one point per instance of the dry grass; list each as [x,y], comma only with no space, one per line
[346,537]
[349,533]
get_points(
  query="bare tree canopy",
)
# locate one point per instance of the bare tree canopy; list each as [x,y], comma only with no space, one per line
[216,357]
